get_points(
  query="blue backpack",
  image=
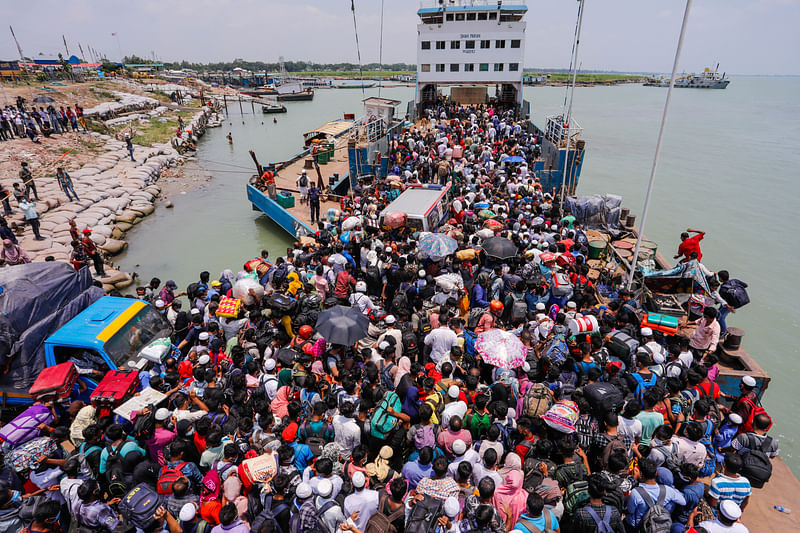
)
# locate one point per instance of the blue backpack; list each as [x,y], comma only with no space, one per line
[643,385]
[557,351]
[382,423]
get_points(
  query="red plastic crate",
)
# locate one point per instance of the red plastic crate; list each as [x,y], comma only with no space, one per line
[115,387]
[55,382]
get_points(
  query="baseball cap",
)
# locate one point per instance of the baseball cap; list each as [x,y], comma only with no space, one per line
[171,284]
[162,414]
[216,283]
[269,364]
[453,391]
[749,381]
[303,491]
[730,509]
[359,480]
[188,512]
[459,447]
[647,332]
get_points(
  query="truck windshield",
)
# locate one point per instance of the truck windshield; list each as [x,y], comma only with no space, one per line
[146,326]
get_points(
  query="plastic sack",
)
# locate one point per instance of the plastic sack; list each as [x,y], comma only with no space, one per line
[157,350]
[241,290]
[351,223]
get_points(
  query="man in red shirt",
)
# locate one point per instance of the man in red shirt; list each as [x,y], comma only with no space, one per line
[91,251]
[690,244]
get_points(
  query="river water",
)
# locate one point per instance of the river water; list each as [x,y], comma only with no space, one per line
[729,166]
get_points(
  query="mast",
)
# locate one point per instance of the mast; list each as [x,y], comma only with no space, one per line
[658,144]
[568,168]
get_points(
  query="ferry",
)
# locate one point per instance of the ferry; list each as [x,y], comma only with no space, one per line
[468,47]
[707,80]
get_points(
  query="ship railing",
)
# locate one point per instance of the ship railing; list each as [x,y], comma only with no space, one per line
[368,129]
[423,4]
[560,134]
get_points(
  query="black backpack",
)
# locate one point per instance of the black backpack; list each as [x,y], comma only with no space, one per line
[410,339]
[191,290]
[757,465]
[145,425]
[267,514]
[115,473]
[424,514]
[279,276]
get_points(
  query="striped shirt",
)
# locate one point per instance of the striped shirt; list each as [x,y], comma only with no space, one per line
[730,488]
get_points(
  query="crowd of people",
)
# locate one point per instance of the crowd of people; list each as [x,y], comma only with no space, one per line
[409,429]
[28,120]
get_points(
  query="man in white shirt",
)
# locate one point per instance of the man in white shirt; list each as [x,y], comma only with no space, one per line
[346,432]
[440,340]
[363,500]
[655,350]
[454,407]
[729,513]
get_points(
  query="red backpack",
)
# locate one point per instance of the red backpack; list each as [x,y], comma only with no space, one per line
[168,476]
[755,410]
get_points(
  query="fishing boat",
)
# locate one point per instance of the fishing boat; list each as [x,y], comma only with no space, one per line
[292,92]
[273,108]
[707,80]
[264,90]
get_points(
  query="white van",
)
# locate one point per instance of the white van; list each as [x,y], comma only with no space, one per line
[426,206]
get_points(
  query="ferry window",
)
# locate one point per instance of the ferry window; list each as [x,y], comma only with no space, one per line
[484,67]
[450,16]
[440,45]
[453,67]
[440,67]
[498,67]
[455,45]
[513,67]
[515,43]
[469,45]
[500,43]
[469,67]
[459,16]
[426,45]
[425,67]
[482,16]
[470,16]
[485,43]
[492,16]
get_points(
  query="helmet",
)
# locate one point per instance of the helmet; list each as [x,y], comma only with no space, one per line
[361,286]
[496,305]
[306,331]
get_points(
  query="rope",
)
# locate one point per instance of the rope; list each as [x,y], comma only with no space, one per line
[572,56]
[226,164]
[358,48]
[380,53]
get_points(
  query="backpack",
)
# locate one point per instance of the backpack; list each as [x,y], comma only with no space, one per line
[168,476]
[576,496]
[643,385]
[400,303]
[561,285]
[145,425]
[409,339]
[294,523]
[267,514]
[556,351]
[469,342]
[85,471]
[279,275]
[437,405]
[537,400]
[191,290]
[755,410]
[603,397]
[734,293]
[568,473]
[382,423]
[303,181]
[672,457]
[424,514]
[139,505]
[211,479]
[387,381]
[380,522]
[656,518]
[519,308]
[548,527]
[315,441]
[676,364]
[614,444]
[478,424]
[474,316]
[115,475]
[424,436]
[604,524]
[757,465]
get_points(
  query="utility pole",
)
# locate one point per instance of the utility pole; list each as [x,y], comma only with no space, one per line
[65,45]
[22,59]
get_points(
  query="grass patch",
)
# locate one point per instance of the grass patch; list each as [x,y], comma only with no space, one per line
[564,77]
[353,73]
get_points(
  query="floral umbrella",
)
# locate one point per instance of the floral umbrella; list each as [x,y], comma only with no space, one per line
[501,348]
[436,246]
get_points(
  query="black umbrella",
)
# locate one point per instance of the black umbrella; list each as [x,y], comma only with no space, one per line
[43,100]
[342,325]
[499,248]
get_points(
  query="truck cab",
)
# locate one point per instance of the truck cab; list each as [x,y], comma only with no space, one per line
[108,335]
[426,206]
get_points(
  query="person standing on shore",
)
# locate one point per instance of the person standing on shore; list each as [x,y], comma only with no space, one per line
[129,144]
[5,196]
[313,202]
[31,217]
[302,185]
[91,251]
[65,182]
[81,120]
[27,179]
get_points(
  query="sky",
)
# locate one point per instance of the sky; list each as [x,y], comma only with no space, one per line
[744,36]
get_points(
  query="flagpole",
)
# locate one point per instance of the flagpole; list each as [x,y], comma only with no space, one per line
[658,144]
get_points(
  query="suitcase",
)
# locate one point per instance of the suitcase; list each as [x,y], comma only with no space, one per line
[26,426]
[55,382]
[115,387]
[622,346]
[229,307]
[664,323]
